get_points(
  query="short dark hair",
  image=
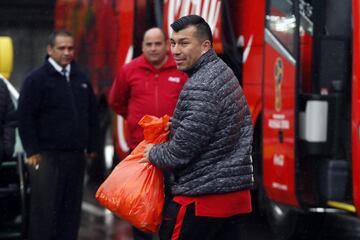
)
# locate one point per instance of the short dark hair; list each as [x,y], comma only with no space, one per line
[203,30]
[53,35]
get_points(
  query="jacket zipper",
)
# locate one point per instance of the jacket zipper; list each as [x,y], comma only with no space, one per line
[157,94]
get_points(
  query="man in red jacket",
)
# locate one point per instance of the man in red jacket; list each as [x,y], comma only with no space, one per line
[149,84]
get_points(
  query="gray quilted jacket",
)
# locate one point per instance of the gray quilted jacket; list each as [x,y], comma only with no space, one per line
[211,136]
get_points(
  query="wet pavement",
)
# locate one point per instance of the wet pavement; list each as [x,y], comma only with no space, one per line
[99,223]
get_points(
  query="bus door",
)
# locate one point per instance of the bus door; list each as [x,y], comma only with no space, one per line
[279,104]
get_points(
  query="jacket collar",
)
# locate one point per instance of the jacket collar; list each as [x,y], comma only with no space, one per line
[207,57]
[51,69]
[58,67]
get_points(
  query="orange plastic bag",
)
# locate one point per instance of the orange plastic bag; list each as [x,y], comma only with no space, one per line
[135,191]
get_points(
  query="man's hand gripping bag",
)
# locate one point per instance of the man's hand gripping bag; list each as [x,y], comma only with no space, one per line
[134,191]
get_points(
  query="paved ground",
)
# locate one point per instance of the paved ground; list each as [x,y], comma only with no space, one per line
[100,224]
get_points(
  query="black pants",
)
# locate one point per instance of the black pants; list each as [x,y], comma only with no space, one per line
[180,223]
[56,195]
[140,235]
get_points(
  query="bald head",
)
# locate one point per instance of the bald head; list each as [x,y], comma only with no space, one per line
[154,47]
[154,32]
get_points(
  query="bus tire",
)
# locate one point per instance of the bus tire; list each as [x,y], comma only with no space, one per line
[288,223]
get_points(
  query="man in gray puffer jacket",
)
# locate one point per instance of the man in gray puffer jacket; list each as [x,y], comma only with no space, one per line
[209,150]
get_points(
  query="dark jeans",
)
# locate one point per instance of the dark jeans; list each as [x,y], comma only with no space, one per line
[191,227]
[56,195]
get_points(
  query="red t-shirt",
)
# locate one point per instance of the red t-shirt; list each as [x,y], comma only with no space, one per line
[219,205]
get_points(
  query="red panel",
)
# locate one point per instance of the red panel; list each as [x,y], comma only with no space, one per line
[209,10]
[94,25]
[124,53]
[247,18]
[252,79]
[279,104]
[356,106]
[306,61]
[125,18]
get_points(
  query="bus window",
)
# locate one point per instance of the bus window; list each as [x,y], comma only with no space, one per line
[280,20]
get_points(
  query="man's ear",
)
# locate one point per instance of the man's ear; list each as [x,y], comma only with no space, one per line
[142,46]
[205,46]
[49,49]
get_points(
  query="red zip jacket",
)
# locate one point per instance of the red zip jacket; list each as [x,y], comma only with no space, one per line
[141,89]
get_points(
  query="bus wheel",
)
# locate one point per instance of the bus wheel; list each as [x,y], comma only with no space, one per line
[282,220]
[287,223]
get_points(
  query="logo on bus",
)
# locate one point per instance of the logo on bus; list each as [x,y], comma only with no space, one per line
[278,74]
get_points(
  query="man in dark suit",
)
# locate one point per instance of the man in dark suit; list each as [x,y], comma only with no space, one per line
[58,128]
